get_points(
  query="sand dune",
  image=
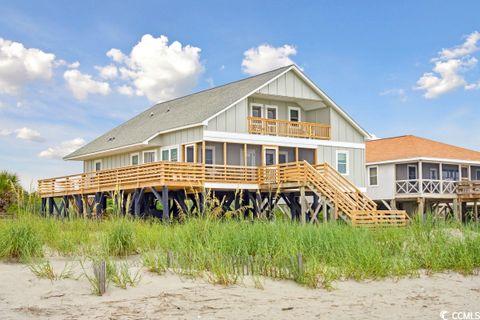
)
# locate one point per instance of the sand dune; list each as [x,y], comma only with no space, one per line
[24,296]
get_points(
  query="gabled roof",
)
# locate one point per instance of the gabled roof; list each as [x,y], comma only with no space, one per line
[413,147]
[188,111]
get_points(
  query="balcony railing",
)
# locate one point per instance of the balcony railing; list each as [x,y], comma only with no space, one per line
[469,189]
[426,186]
[288,128]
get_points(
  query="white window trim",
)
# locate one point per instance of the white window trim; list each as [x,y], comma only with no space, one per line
[154,155]
[299,113]
[213,154]
[185,152]
[169,149]
[271,106]
[265,154]
[256,105]
[347,171]
[132,155]
[369,176]
[408,171]
[286,155]
[95,165]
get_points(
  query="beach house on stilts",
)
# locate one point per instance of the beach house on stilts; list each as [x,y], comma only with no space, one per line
[254,143]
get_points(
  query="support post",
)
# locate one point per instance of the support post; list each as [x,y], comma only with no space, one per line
[421,208]
[203,152]
[165,215]
[325,210]
[296,154]
[44,206]
[51,202]
[303,206]
[455,209]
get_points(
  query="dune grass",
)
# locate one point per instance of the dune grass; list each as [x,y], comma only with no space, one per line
[206,245]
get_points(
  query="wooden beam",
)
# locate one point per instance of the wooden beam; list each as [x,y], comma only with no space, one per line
[315,156]
[245,154]
[203,152]
[296,154]
[195,153]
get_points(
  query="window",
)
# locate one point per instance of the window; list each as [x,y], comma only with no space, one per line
[477,174]
[271,112]
[373,176]
[294,114]
[257,110]
[342,162]
[270,156]
[412,172]
[190,153]
[98,165]
[251,157]
[283,157]
[169,153]
[210,155]
[134,159]
[433,174]
[149,156]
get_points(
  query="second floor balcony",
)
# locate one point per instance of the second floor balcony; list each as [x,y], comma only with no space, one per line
[297,129]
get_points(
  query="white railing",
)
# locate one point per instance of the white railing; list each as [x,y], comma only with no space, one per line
[426,186]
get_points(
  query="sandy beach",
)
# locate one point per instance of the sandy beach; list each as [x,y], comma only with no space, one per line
[24,296]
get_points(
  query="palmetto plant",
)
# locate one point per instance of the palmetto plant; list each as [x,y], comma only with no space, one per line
[9,183]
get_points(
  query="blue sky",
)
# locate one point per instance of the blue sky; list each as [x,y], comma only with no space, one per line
[382,61]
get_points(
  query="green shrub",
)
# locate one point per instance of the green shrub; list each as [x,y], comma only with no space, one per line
[20,241]
[120,240]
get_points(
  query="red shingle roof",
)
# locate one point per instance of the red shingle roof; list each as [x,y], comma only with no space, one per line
[406,147]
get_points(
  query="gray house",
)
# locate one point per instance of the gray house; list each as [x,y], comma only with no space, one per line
[422,175]
[244,135]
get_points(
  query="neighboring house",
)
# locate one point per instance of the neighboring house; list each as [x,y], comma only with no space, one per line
[422,175]
[228,133]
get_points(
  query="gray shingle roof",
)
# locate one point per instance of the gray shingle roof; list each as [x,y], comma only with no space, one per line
[184,111]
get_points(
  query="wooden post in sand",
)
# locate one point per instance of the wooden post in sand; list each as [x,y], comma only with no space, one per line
[100,272]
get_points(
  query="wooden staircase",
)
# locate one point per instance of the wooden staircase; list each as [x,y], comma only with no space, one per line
[348,201]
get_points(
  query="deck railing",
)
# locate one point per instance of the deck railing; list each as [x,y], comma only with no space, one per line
[469,189]
[288,128]
[431,186]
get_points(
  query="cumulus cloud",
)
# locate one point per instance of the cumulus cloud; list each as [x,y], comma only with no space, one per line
[107,72]
[23,134]
[81,85]
[450,68]
[18,65]
[265,57]
[29,134]
[156,69]
[59,151]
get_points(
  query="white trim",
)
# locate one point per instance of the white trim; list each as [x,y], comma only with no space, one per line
[285,153]
[255,104]
[233,186]
[369,176]
[347,160]
[427,159]
[265,154]
[271,106]
[299,113]
[132,155]
[95,165]
[315,88]
[154,155]
[83,156]
[174,129]
[213,149]
[185,152]
[408,171]
[233,137]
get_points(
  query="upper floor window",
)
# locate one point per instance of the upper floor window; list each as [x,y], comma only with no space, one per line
[477,174]
[210,155]
[98,165]
[412,172]
[373,176]
[433,174]
[342,162]
[271,112]
[257,110]
[294,114]
[149,156]
[169,153]
[134,159]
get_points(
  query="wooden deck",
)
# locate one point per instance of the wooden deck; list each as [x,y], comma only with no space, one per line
[286,128]
[468,190]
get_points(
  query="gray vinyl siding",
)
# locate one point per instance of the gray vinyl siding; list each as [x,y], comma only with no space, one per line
[232,120]
[179,137]
[356,162]
[289,85]
[385,189]
[318,115]
[110,162]
[342,130]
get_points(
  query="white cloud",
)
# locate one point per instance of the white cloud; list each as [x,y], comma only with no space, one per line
[107,72]
[5,132]
[450,68]
[400,93]
[66,147]
[81,85]
[468,47]
[29,134]
[125,90]
[158,70]
[473,86]
[265,57]
[74,65]
[18,65]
